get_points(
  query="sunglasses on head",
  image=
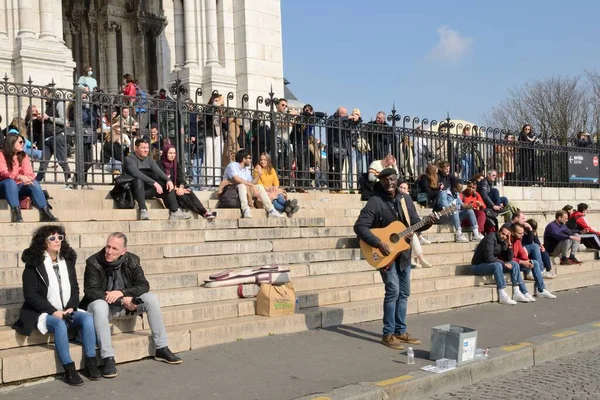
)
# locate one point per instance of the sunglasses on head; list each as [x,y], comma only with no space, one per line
[54,238]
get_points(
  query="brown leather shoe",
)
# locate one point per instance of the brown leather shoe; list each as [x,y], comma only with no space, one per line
[391,341]
[406,338]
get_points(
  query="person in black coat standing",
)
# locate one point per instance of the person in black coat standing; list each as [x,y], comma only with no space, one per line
[52,297]
[338,139]
[383,208]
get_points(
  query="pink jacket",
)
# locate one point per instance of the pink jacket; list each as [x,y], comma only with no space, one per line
[25,169]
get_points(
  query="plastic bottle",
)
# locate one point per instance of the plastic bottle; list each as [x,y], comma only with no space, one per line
[297,305]
[411,356]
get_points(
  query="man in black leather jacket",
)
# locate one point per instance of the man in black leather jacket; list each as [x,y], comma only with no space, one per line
[115,287]
[383,208]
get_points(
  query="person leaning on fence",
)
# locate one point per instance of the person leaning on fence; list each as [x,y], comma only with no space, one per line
[115,287]
[238,173]
[17,180]
[51,302]
[266,175]
[560,240]
[186,199]
[150,181]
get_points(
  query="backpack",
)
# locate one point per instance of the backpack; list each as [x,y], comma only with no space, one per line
[572,225]
[121,193]
[229,198]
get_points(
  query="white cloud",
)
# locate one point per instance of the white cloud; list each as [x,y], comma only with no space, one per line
[451,46]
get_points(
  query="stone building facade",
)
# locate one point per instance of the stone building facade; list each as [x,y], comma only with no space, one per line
[225,45]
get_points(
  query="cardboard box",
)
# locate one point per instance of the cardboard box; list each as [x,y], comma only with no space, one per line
[274,300]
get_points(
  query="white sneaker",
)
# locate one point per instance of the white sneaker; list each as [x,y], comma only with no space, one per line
[546,294]
[461,238]
[504,299]
[477,237]
[529,297]
[179,215]
[426,264]
[144,216]
[529,277]
[547,275]
[246,213]
[423,241]
[275,214]
[520,297]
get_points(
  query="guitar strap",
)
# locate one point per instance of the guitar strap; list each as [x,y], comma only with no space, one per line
[404,210]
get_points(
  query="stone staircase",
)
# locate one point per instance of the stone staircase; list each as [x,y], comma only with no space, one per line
[318,245]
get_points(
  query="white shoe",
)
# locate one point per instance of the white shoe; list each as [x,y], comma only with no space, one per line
[246,213]
[179,215]
[423,241]
[416,266]
[461,238]
[275,214]
[425,263]
[518,296]
[530,297]
[504,299]
[529,277]
[547,275]
[546,294]
[477,237]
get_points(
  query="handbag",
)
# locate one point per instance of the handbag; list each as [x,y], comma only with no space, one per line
[25,203]
[121,193]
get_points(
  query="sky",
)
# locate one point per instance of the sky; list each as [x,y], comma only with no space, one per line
[431,57]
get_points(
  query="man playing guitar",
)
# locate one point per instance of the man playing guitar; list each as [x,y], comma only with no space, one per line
[384,207]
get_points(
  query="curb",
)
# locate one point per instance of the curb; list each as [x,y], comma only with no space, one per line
[502,360]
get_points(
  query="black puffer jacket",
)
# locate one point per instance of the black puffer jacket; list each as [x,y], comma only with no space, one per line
[379,212]
[95,280]
[489,249]
[35,290]
[484,187]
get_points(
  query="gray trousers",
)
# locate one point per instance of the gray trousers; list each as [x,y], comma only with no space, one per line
[103,314]
[565,247]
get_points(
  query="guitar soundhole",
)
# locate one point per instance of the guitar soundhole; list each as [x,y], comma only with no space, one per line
[394,238]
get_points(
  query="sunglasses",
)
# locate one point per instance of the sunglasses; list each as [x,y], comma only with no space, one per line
[20,142]
[54,238]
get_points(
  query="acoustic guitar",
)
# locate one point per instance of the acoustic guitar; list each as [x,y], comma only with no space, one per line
[395,235]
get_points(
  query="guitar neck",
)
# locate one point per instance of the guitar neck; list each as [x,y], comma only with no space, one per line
[413,228]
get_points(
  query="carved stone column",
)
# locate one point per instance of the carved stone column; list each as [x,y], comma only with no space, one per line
[77,48]
[27,26]
[47,20]
[212,37]
[3,21]
[111,59]
[179,33]
[191,53]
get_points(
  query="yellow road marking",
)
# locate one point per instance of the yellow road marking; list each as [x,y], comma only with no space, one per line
[565,333]
[391,381]
[321,398]
[517,346]
[597,324]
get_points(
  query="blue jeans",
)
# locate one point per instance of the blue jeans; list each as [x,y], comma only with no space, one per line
[34,154]
[11,191]
[395,302]
[466,170]
[197,162]
[537,274]
[279,203]
[494,268]
[546,261]
[82,321]
[443,201]
[360,159]
[496,198]
[535,253]
[113,165]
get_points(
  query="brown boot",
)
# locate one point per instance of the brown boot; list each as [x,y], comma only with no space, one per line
[406,338]
[391,341]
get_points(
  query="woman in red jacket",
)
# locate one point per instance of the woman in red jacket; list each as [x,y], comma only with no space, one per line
[471,198]
[17,180]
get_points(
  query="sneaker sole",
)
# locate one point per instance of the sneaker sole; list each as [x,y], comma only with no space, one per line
[167,361]
[109,376]
[399,347]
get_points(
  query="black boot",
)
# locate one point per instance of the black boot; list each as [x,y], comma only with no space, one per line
[71,376]
[91,369]
[46,215]
[15,214]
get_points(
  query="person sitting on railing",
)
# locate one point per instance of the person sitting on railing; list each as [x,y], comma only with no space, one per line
[238,173]
[560,240]
[17,180]
[471,199]
[583,140]
[266,175]
[490,195]
[186,199]
[114,150]
[51,302]
[150,181]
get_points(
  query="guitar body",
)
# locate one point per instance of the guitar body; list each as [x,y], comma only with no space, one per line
[388,235]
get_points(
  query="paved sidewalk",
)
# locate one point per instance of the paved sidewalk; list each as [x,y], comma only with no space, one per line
[290,366]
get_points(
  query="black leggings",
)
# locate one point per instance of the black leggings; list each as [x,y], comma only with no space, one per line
[142,191]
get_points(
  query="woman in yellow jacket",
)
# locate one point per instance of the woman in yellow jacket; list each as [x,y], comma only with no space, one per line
[265,175]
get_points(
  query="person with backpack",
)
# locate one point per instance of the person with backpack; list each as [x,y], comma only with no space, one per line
[141,105]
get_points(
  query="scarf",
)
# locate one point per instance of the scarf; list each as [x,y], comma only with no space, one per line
[53,288]
[170,166]
[113,271]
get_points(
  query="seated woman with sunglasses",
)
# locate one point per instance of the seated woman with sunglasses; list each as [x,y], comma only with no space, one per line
[266,175]
[51,299]
[186,199]
[17,180]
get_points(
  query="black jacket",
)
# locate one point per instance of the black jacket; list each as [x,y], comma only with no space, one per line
[379,212]
[95,280]
[489,249]
[432,194]
[35,291]
[484,187]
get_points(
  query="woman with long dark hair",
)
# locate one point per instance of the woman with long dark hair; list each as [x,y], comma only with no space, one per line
[527,155]
[266,175]
[51,296]
[185,197]
[18,180]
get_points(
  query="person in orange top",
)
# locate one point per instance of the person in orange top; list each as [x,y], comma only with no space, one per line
[264,174]
[472,199]
[18,180]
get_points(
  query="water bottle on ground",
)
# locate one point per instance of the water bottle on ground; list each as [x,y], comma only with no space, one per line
[411,356]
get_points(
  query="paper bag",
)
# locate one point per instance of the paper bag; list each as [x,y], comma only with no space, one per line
[275,300]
